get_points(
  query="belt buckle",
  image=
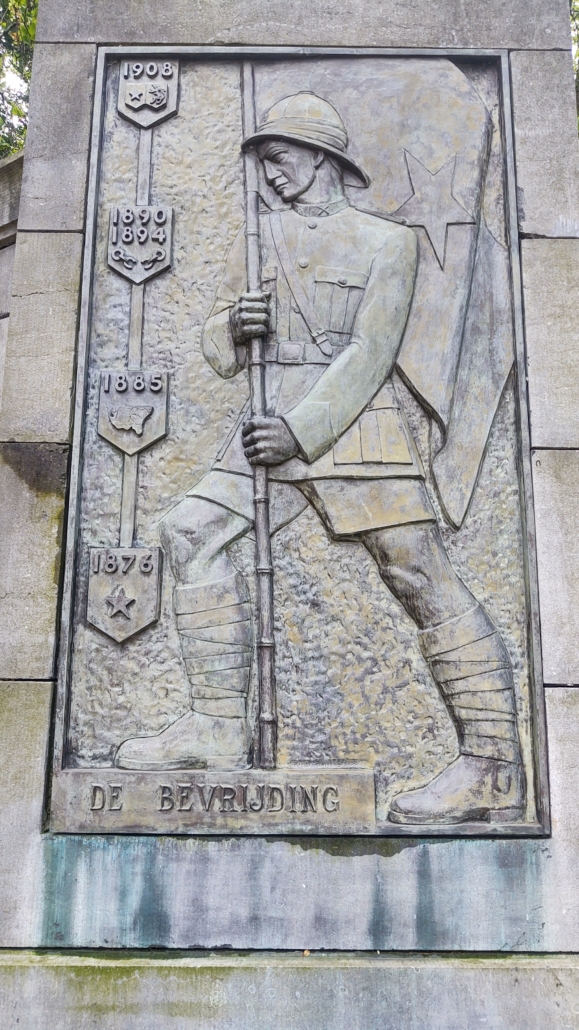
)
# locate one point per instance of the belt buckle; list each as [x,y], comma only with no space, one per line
[291,353]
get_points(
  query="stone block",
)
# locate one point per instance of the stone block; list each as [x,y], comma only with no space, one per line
[559,893]
[551,296]
[58,137]
[25,719]
[32,488]
[261,991]
[4,323]
[6,268]
[546,144]
[10,182]
[41,338]
[357,893]
[556,483]
[138,892]
[538,24]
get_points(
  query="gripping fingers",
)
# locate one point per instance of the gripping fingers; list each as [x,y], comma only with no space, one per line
[253,322]
[255,329]
[254,316]
[256,441]
[255,436]
[250,317]
[256,305]
[259,422]
[253,454]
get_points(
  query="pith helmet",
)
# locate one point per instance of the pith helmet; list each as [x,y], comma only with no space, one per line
[306,118]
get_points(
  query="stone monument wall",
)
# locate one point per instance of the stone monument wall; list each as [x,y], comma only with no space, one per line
[294,890]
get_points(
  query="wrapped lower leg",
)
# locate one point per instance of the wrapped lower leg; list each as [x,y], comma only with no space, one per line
[475,678]
[221,593]
[214,625]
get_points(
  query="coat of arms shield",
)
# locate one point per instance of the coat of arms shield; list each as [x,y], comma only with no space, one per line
[149,92]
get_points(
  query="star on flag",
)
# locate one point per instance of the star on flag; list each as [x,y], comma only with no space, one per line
[432,205]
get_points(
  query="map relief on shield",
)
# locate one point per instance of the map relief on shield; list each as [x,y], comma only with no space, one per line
[342,642]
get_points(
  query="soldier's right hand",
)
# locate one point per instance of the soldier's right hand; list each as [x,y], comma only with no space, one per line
[250,317]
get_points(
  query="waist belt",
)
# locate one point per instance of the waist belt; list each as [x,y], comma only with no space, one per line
[296,352]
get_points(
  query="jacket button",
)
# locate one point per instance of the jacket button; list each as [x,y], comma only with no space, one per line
[342,281]
[303,262]
[296,309]
[312,225]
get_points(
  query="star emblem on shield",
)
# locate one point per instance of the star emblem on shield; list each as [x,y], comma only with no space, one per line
[152,95]
[119,603]
[124,589]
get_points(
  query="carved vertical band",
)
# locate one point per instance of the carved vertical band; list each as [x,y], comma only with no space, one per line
[135,350]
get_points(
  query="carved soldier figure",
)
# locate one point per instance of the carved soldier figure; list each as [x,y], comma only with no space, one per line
[337,288]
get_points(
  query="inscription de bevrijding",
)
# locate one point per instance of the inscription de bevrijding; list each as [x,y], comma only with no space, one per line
[318,800]
[367,301]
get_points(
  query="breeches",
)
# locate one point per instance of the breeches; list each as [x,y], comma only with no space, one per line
[347,507]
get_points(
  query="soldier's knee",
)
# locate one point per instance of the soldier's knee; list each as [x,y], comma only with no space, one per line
[405,557]
[191,520]
[406,577]
[169,528]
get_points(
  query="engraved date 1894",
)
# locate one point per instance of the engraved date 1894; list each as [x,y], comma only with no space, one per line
[140,241]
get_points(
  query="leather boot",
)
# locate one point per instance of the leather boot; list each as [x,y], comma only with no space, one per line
[471,666]
[214,626]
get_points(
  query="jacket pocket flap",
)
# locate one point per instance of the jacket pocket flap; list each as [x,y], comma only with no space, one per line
[341,277]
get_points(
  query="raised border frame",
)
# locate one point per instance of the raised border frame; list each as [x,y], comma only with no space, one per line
[59,776]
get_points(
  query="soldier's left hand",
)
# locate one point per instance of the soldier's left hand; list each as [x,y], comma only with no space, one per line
[268,441]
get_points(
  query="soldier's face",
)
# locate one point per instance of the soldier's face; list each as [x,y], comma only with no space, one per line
[289,169]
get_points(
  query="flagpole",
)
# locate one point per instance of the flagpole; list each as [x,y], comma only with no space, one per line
[264,567]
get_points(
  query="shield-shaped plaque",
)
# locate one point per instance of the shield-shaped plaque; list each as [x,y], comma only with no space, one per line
[124,589]
[140,241]
[148,91]
[133,408]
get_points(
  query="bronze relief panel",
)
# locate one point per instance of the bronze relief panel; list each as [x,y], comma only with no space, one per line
[300,596]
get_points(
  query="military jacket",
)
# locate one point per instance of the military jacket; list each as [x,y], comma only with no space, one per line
[358,272]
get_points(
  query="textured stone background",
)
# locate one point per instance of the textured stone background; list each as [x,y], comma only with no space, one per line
[352,685]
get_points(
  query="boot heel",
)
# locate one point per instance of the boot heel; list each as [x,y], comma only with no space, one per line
[505,815]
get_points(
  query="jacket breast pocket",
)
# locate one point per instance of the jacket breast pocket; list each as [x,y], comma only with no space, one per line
[338,292]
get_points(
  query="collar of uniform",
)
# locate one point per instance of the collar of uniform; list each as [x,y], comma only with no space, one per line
[320,210]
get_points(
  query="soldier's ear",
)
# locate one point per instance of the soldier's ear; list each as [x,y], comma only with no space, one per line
[319,156]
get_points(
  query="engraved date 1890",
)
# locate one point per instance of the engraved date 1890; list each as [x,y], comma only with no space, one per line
[140,241]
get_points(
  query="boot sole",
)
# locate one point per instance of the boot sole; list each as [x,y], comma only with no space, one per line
[217,763]
[479,815]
